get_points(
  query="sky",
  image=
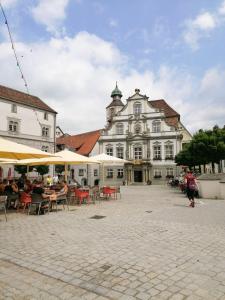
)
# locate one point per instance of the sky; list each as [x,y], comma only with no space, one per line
[72,52]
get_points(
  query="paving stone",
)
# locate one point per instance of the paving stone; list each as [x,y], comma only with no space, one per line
[173,253]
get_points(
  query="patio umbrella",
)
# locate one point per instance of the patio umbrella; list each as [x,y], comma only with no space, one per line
[5,161]
[106,159]
[12,150]
[64,157]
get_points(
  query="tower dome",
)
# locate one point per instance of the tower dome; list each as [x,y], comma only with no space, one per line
[116,92]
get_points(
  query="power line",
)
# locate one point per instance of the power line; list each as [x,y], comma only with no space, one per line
[17,59]
[14,49]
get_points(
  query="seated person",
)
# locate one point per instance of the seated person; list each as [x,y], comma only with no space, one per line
[39,190]
[61,194]
[38,195]
[28,187]
[3,184]
[12,192]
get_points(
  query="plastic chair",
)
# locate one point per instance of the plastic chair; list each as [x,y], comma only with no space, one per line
[82,195]
[3,204]
[25,201]
[108,192]
[60,200]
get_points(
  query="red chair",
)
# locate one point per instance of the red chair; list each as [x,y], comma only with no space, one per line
[108,192]
[25,200]
[82,195]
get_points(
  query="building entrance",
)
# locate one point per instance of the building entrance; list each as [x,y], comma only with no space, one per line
[138,176]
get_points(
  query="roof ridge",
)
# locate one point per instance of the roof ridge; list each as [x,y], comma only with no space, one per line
[88,132]
[18,91]
[20,97]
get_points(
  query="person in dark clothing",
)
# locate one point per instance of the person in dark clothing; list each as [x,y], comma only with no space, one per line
[38,196]
[12,192]
[191,187]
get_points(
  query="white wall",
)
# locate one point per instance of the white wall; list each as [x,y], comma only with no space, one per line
[30,121]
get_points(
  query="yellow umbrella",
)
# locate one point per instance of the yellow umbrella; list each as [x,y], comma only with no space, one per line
[7,161]
[12,150]
[64,157]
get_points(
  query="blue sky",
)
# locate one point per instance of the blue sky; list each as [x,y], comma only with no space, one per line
[73,51]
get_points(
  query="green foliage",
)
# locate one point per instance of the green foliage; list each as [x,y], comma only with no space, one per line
[22,169]
[42,170]
[207,146]
[59,169]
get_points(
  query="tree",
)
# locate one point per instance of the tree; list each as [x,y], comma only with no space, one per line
[42,170]
[207,146]
[59,168]
[22,169]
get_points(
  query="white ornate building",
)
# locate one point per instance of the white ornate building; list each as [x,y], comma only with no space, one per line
[147,133]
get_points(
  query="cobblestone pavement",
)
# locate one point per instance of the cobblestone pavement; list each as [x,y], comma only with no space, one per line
[150,245]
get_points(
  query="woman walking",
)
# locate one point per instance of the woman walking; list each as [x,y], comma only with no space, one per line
[191,186]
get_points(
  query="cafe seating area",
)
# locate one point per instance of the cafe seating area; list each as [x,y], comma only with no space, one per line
[29,201]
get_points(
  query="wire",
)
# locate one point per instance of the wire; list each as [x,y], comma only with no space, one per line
[14,49]
[17,59]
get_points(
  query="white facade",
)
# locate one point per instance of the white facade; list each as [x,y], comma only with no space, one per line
[87,174]
[142,134]
[27,125]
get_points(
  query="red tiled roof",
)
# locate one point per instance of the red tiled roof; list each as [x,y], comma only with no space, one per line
[81,143]
[172,117]
[23,98]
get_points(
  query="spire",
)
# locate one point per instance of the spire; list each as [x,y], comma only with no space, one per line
[116,92]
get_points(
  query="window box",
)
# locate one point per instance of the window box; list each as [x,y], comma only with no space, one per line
[157,158]
[157,176]
[169,158]
[109,176]
[119,176]
[169,176]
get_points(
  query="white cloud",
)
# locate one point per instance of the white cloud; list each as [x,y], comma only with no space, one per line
[76,76]
[50,13]
[198,28]
[203,25]
[204,21]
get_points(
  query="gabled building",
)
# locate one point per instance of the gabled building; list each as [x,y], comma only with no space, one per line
[26,119]
[147,133]
[85,144]
[58,132]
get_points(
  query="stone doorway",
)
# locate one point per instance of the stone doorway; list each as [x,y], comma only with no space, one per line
[138,176]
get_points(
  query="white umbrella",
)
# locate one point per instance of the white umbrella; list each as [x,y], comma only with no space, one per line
[106,159]
[64,157]
[12,150]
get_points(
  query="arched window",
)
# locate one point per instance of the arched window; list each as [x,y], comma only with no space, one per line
[119,128]
[156,126]
[137,108]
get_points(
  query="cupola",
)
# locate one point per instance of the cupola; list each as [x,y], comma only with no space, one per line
[116,105]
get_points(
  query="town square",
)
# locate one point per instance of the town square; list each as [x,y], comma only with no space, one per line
[112,149]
